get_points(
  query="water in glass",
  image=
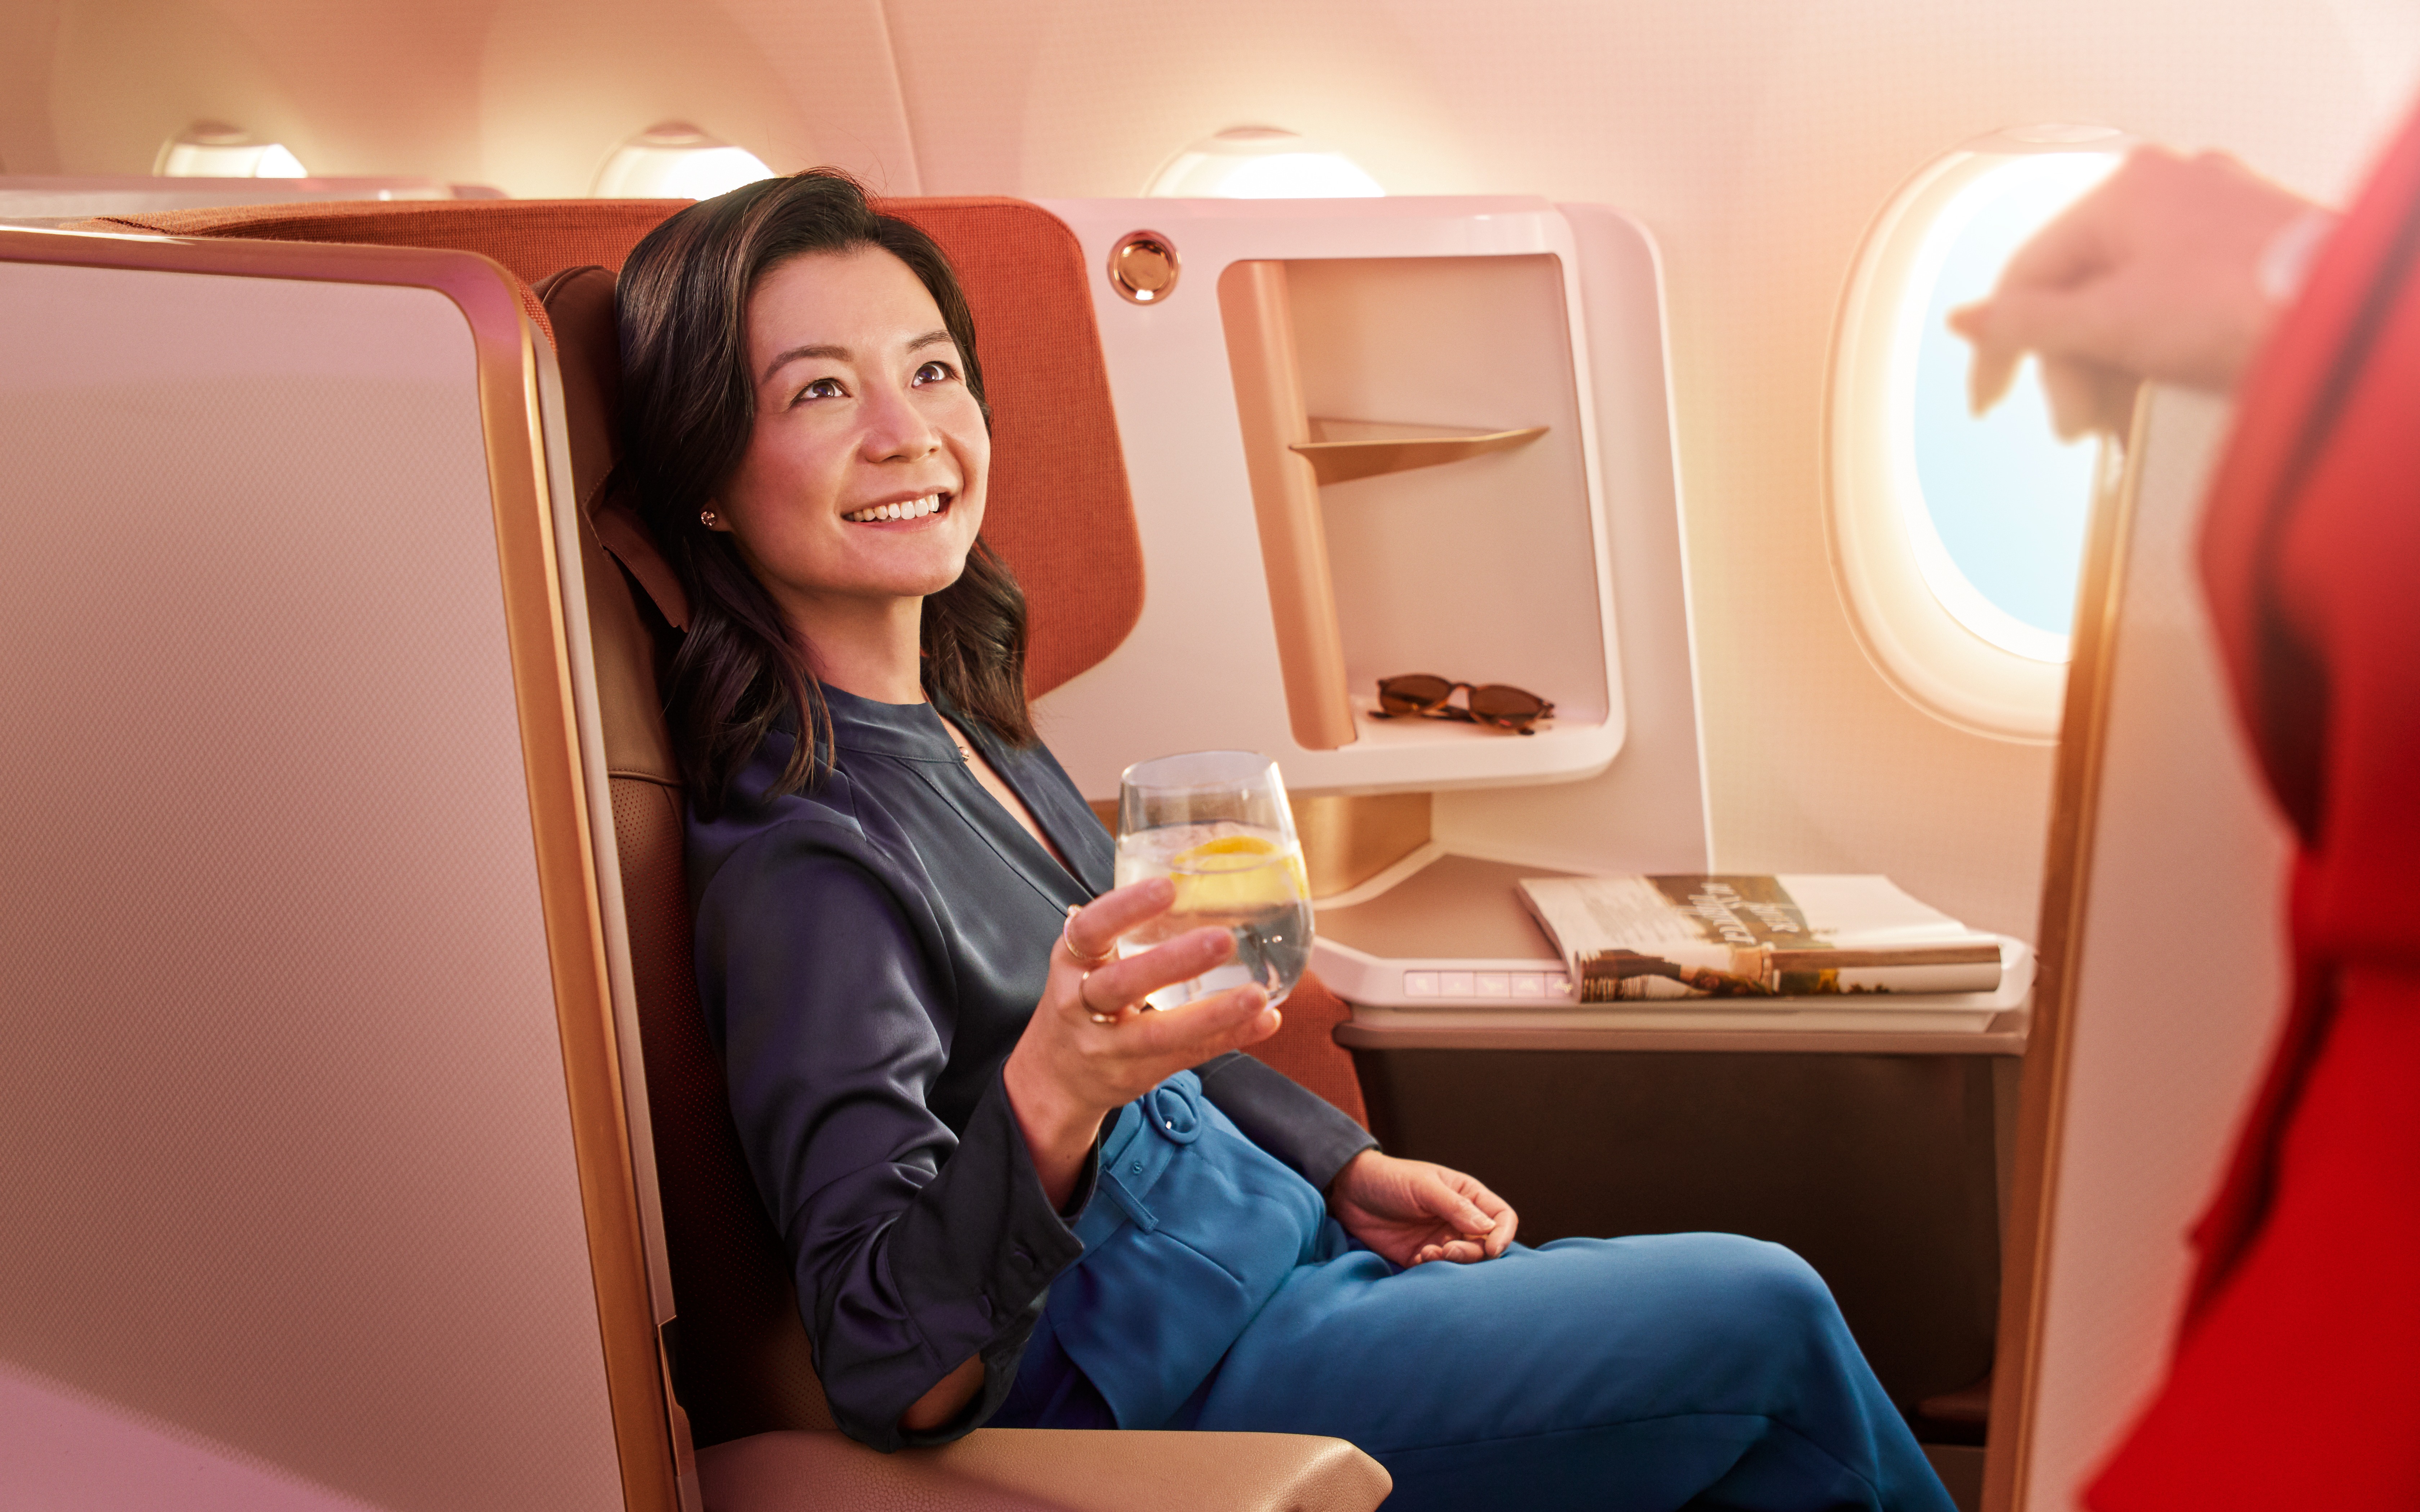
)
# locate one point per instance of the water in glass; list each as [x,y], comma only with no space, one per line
[1215,824]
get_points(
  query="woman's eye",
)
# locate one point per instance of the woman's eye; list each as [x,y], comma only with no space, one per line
[936,373]
[822,388]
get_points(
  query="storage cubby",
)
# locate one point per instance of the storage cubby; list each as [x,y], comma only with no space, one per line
[1412,428]
[1479,569]
[1363,438]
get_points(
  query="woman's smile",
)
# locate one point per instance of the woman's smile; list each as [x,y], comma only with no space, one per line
[893,512]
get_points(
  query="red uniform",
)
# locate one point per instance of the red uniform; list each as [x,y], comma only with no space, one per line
[2297,1377]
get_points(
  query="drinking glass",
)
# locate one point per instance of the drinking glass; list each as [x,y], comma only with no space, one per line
[1215,824]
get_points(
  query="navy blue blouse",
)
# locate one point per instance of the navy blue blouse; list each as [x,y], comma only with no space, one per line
[868,953]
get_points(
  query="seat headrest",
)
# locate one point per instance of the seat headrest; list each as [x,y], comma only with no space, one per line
[587,347]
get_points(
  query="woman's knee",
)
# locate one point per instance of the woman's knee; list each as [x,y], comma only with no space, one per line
[1764,1289]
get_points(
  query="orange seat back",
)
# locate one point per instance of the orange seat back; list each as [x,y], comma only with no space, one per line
[1059,512]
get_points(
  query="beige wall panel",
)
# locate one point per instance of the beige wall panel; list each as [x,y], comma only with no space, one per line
[562,81]
[290,1158]
[364,88]
[2178,990]
[528,95]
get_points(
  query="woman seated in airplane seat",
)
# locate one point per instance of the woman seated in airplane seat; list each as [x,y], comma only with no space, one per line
[2296,1376]
[1011,1197]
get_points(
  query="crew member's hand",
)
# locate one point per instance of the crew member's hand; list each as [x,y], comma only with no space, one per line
[1412,1212]
[2157,274]
[1089,1050]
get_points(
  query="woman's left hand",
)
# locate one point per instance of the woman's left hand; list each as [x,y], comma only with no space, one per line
[1412,1212]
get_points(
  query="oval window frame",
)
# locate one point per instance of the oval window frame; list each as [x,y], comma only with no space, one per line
[1910,635]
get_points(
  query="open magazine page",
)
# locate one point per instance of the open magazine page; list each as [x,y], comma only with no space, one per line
[1745,935]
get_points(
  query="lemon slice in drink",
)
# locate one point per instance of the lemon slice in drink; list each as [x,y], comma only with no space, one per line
[1237,875]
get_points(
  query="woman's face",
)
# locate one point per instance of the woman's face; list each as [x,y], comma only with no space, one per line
[863,478]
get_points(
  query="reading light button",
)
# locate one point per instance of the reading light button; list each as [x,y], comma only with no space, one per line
[1143,267]
[1420,984]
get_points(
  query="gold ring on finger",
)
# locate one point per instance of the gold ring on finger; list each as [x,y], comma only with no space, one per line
[1089,962]
[1098,1017]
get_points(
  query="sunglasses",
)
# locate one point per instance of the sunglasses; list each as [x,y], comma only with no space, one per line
[1421,696]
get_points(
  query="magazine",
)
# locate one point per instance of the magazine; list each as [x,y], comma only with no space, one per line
[1628,938]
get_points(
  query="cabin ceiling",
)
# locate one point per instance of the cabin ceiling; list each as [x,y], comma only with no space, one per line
[1756,139]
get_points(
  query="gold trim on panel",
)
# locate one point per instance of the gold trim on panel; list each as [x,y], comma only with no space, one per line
[1347,841]
[567,892]
[1258,315]
[2067,872]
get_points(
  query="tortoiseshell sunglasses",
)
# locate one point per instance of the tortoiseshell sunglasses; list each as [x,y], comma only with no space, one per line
[1425,696]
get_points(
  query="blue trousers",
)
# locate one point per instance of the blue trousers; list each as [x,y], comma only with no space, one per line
[1648,1373]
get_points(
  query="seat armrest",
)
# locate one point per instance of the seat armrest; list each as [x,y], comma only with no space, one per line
[1045,1470]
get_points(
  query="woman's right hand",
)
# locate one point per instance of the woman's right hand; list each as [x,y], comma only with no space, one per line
[1072,1069]
[2160,273]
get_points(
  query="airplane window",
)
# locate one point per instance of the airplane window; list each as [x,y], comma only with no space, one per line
[213,150]
[674,159]
[1261,163]
[2002,500]
[1959,539]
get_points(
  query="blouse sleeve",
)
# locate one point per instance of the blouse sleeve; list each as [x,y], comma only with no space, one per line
[915,1247]
[1283,1116]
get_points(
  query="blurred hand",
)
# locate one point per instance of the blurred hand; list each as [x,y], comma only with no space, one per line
[1412,1212]
[2154,275]
[1089,1050]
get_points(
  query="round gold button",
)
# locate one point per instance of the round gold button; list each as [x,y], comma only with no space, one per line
[1143,267]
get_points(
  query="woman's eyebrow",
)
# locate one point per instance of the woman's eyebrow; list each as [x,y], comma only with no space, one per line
[842,354]
[838,354]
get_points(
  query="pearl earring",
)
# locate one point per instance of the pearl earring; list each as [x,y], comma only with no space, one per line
[706,517]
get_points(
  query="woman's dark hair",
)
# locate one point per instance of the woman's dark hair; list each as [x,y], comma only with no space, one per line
[687,406]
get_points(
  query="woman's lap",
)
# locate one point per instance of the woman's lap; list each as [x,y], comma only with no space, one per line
[1600,1373]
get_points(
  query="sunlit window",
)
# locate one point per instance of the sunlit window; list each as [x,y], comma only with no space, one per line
[213,150]
[674,159]
[1959,539]
[1261,163]
[1997,513]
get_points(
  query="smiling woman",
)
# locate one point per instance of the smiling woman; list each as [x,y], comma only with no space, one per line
[848,383]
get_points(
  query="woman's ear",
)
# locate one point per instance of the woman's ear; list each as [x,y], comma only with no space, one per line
[711,520]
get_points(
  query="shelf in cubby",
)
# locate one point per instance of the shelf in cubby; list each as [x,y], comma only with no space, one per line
[1339,451]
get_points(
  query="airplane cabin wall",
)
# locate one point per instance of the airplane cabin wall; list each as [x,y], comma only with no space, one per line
[1756,140]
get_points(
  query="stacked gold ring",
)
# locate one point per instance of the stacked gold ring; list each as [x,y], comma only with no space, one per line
[1091,964]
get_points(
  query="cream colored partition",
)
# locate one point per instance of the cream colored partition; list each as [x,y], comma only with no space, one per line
[2162,983]
[316,1174]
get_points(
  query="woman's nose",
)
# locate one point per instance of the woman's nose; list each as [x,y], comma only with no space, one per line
[896,427]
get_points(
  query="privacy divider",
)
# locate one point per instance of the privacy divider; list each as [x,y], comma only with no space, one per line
[318,1157]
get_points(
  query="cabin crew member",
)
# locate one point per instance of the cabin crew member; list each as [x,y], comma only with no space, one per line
[1009,1196]
[2296,1381]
